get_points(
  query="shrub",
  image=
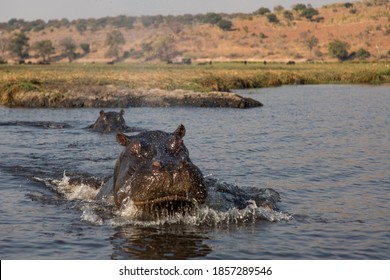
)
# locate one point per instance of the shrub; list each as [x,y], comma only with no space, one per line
[38,25]
[212,18]
[338,49]
[362,54]
[225,24]
[123,21]
[278,8]
[353,11]
[272,18]
[81,25]
[288,15]
[347,5]
[152,20]
[263,36]
[299,7]
[263,11]
[309,13]
[85,47]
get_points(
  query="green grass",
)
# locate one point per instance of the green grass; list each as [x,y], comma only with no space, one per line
[60,78]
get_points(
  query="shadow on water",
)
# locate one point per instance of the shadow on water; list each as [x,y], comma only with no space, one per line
[167,242]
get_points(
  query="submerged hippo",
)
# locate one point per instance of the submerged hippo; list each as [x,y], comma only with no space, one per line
[110,121]
[154,171]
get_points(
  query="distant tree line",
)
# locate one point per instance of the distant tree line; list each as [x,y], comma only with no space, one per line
[222,20]
[298,11]
[19,48]
[121,21]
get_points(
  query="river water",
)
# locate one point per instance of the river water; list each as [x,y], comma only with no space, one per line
[325,149]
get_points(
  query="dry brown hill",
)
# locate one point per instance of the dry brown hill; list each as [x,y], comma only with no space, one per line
[364,25]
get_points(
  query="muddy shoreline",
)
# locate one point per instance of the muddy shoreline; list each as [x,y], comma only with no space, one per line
[112,96]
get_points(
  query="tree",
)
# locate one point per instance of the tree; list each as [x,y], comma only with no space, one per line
[44,48]
[212,18]
[81,25]
[272,18]
[152,20]
[347,5]
[309,13]
[36,25]
[288,15]
[4,42]
[278,8]
[310,41]
[123,21]
[299,7]
[187,19]
[19,45]
[338,49]
[85,47]
[68,47]
[262,11]
[114,41]
[165,49]
[225,24]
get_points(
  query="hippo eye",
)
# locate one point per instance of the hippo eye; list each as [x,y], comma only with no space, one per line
[135,148]
[140,150]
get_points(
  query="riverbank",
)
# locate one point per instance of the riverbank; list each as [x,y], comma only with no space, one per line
[126,85]
[105,96]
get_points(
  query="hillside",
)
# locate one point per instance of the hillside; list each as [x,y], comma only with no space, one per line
[250,37]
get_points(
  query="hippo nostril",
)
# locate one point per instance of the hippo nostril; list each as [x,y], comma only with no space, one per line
[156,164]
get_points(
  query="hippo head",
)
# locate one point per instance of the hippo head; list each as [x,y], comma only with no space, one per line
[154,171]
[110,121]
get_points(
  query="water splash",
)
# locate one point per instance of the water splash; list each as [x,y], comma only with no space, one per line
[219,208]
[74,188]
[201,216]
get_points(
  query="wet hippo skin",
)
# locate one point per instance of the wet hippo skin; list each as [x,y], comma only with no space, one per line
[110,122]
[154,170]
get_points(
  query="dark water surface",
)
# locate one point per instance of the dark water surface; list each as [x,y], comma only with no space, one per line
[325,149]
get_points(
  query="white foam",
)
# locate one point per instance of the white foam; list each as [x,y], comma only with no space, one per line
[89,215]
[79,191]
[202,216]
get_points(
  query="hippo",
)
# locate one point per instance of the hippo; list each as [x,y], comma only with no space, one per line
[109,121]
[154,172]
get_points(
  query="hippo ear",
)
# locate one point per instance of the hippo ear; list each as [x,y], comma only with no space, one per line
[102,113]
[180,131]
[122,139]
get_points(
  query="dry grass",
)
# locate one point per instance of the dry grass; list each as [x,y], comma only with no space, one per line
[218,76]
[366,28]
